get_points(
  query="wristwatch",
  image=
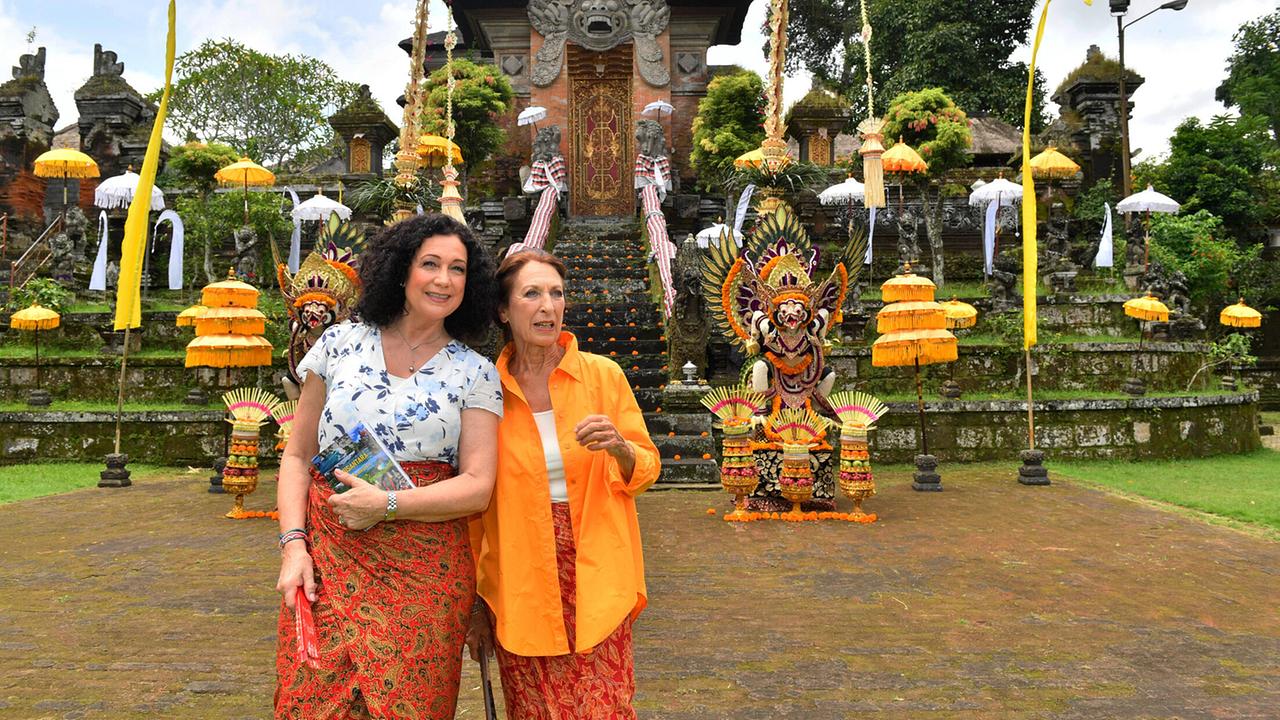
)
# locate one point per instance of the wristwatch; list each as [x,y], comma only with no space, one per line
[391,506]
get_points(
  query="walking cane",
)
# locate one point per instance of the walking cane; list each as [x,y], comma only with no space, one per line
[490,709]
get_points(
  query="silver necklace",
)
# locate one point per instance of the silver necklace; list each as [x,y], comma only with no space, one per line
[412,348]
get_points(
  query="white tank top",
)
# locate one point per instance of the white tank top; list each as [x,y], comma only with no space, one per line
[551,451]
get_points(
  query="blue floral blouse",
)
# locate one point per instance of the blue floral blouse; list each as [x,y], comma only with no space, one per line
[418,417]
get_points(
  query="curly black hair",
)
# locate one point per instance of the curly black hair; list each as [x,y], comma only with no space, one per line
[384,267]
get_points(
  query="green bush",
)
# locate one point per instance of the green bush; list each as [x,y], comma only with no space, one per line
[1195,246]
[210,222]
[728,124]
[47,292]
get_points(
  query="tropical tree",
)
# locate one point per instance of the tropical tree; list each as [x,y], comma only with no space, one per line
[1227,167]
[930,122]
[193,165]
[480,94]
[1253,71]
[270,107]
[730,122]
[961,47]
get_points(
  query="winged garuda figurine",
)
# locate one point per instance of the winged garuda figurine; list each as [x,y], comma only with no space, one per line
[767,300]
[321,293]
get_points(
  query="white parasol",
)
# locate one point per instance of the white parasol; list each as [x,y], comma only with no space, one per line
[998,190]
[531,115]
[845,192]
[658,107]
[713,234]
[1149,201]
[320,208]
[117,192]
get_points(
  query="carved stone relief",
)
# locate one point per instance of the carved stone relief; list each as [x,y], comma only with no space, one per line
[600,25]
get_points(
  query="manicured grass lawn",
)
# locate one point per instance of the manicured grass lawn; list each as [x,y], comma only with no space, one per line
[1239,487]
[20,482]
[28,350]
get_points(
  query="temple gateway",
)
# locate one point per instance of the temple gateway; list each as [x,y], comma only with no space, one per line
[594,65]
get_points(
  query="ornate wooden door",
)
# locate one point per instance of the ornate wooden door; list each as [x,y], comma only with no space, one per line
[600,132]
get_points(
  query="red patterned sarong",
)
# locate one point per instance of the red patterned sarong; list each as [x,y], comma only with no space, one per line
[391,616]
[595,685]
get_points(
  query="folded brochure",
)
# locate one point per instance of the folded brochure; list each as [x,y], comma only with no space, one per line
[360,453]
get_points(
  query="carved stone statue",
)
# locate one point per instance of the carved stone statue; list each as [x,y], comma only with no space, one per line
[76,225]
[546,145]
[62,250]
[651,140]
[600,25]
[909,239]
[30,67]
[1002,283]
[246,260]
[689,329]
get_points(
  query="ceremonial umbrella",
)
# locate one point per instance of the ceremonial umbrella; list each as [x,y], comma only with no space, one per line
[35,319]
[187,318]
[320,208]
[435,151]
[750,158]
[1240,315]
[65,163]
[1051,165]
[959,315]
[531,115]
[902,158]
[117,192]
[1000,191]
[845,192]
[1145,309]
[245,172]
[228,332]
[660,108]
[714,233]
[1148,201]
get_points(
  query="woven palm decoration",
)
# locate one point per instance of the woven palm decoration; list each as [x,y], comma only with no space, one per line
[247,410]
[799,427]
[284,420]
[734,405]
[858,408]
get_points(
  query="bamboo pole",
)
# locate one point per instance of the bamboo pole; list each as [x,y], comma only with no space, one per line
[1031,412]
[924,441]
[124,361]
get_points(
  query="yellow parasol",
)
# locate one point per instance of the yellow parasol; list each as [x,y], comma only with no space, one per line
[35,319]
[907,287]
[898,349]
[959,314]
[1053,165]
[65,163]
[912,315]
[1240,315]
[187,318]
[435,151]
[750,158]
[231,321]
[226,351]
[1147,308]
[902,158]
[244,173]
[228,331]
[229,293]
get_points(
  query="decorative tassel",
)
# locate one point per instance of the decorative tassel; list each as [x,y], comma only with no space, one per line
[872,166]
[911,316]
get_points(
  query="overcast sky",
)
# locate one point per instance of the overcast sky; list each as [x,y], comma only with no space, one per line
[1181,54]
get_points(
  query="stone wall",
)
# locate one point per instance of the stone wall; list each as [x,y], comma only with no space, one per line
[146,379]
[167,438]
[1101,366]
[1139,429]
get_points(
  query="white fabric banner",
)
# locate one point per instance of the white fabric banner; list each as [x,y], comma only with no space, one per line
[295,240]
[98,281]
[871,234]
[1105,247]
[175,248]
[989,238]
[740,216]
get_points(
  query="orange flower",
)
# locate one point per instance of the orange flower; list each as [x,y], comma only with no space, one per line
[706,456]
[711,511]
[704,433]
[677,457]
[671,434]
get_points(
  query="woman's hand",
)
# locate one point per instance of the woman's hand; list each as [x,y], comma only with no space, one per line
[597,432]
[480,634]
[296,571]
[362,506]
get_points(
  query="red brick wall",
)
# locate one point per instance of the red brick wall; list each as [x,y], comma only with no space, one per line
[25,195]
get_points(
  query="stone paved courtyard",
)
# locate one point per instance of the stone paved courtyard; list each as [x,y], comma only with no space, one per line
[988,600]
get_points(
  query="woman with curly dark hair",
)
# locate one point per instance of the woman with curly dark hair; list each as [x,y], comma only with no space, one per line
[390,573]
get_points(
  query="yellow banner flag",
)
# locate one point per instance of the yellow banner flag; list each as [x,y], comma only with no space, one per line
[128,293]
[1030,269]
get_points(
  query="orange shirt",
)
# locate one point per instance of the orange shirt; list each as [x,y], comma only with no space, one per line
[514,538]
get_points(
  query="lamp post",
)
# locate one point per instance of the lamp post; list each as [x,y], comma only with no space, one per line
[1119,8]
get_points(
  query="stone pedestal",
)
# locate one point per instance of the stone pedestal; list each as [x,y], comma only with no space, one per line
[196,396]
[1133,277]
[925,478]
[1134,386]
[215,480]
[115,475]
[39,397]
[1033,471]
[950,390]
[680,397]
[1063,282]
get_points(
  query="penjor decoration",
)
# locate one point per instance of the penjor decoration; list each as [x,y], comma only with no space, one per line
[768,302]
[450,200]
[247,410]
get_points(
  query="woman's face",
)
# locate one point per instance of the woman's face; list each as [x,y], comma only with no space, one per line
[535,308]
[437,278]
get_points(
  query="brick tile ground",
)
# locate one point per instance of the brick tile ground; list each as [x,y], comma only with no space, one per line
[989,600]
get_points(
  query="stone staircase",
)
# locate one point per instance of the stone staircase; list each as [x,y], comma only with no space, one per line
[612,313]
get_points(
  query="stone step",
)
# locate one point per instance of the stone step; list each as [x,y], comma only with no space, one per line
[688,447]
[700,473]
[609,263]
[608,287]
[601,344]
[623,333]
[680,423]
[612,310]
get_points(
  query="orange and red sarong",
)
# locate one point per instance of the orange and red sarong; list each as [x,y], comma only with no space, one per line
[599,683]
[391,615]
